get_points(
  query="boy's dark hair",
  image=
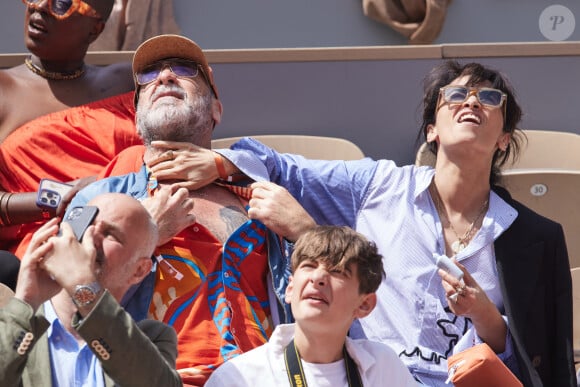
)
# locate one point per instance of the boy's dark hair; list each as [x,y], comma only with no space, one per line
[338,247]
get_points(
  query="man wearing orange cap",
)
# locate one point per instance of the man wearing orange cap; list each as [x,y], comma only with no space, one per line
[220,277]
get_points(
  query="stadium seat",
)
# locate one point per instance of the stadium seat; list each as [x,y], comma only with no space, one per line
[540,149]
[425,156]
[548,149]
[552,193]
[314,147]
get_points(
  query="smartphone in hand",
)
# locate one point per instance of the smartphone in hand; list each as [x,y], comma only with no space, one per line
[80,218]
[50,193]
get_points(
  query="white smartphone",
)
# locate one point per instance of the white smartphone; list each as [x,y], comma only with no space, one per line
[445,263]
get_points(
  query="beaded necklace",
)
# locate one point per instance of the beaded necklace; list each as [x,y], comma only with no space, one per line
[53,75]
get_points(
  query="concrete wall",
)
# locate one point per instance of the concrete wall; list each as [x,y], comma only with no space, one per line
[225,24]
[320,23]
[375,101]
[376,104]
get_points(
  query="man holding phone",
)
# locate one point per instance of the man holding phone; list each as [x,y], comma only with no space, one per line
[65,323]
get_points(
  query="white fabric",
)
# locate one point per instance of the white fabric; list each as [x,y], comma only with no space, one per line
[325,375]
[264,366]
[424,335]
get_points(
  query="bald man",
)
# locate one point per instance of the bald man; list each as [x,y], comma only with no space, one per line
[65,322]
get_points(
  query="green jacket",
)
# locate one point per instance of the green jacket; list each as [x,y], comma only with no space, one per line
[131,354]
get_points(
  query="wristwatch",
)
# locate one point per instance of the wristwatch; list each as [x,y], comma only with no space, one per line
[84,295]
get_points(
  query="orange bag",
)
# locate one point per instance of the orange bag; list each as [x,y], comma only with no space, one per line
[479,366]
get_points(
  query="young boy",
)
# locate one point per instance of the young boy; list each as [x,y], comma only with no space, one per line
[336,272]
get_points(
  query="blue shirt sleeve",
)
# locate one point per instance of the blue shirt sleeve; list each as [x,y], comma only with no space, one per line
[331,191]
[130,184]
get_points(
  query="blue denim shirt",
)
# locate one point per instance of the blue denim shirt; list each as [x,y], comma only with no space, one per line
[138,298]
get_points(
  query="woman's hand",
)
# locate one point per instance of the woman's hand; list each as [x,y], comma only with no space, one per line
[183,164]
[77,185]
[467,298]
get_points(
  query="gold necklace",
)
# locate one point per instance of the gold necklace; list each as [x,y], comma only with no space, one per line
[463,241]
[53,75]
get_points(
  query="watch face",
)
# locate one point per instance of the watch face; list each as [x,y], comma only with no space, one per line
[85,294]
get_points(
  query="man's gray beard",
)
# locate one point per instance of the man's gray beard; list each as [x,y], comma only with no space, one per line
[183,123]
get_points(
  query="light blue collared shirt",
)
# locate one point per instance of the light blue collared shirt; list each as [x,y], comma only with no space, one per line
[71,365]
[392,206]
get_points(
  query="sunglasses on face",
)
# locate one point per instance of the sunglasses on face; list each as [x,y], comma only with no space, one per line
[485,96]
[180,67]
[62,9]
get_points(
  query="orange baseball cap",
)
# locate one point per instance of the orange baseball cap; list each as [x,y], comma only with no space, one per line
[170,46]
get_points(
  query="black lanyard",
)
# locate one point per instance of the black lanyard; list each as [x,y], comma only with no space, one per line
[296,373]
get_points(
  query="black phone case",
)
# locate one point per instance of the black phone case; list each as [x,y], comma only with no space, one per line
[80,218]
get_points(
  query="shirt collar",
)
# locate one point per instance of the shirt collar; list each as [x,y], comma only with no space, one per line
[52,317]
[424,177]
[499,217]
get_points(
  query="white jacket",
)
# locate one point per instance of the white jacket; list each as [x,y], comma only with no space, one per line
[378,364]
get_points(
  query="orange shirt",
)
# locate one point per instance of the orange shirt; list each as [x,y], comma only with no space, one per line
[213,294]
[65,146]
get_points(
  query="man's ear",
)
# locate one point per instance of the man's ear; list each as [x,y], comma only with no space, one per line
[216,111]
[144,265]
[431,133]
[288,294]
[367,304]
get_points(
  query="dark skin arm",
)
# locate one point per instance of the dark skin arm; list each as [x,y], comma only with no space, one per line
[22,208]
